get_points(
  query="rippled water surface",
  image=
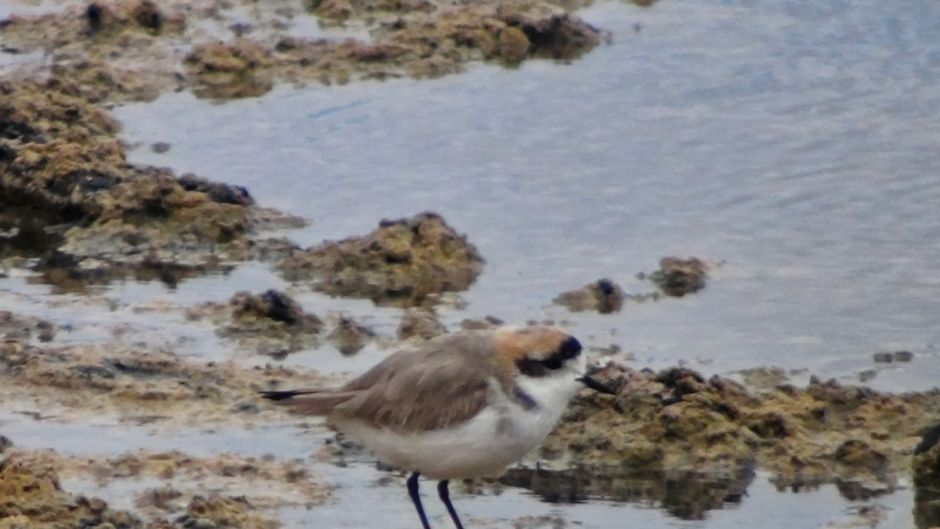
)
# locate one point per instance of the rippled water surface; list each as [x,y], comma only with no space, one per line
[796,141]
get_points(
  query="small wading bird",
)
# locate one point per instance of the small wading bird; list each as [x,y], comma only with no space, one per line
[463,405]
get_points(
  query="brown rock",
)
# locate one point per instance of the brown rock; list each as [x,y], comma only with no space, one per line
[401,262]
[678,277]
[30,496]
[676,419]
[350,337]
[604,296]
[230,70]
[420,323]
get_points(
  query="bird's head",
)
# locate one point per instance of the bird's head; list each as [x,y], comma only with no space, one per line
[542,351]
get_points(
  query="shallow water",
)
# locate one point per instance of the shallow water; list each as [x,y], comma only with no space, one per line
[656,503]
[797,142]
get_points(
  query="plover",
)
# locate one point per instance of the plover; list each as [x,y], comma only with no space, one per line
[463,405]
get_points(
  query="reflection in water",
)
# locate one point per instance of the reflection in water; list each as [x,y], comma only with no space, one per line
[926,508]
[22,232]
[685,495]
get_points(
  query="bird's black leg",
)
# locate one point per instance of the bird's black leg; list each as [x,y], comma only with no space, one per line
[445,497]
[416,499]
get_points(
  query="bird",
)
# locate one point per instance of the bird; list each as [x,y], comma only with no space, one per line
[462,405]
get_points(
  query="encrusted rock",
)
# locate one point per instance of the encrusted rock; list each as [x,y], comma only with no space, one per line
[420,323]
[678,277]
[676,419]
[887,357]
[401,262]
[603,295]
[13,326]
[927,460]
[230,70]
[30,496]
[269,323]
[487,322]
[927,479]
[223,512]
[348,336]
[99,216]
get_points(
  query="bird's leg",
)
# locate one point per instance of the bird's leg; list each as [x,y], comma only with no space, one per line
[445,497]
[416,499]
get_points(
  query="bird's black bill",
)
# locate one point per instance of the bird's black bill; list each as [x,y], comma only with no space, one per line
[597,385]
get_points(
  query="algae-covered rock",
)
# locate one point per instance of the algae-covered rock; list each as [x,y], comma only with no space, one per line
[17,327]
[223,512]
[926,467]
[270,323]
[31,497]
[678,420]
[230,70]
[401,262]
[349,336]
[94,215]
[420,323]
[678,277]
[927,460]
[603,295]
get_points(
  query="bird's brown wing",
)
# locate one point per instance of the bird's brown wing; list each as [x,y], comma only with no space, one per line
[442,384]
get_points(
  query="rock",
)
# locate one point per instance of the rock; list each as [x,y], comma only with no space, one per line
[677,419]
[273,305]
[401,262]
[13,326]
[31,496]
[551,35]
[512,45]
[887,357]
[350,337]
[764,378]
[420,323]
[604,296]
[222,512]
[230,70]
[97,217]
[678,277]
[487,322]
[927,460]
[160,147]
[270,323]
[926,467]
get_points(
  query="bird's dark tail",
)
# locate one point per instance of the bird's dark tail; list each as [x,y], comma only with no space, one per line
[309,401]
[284,395]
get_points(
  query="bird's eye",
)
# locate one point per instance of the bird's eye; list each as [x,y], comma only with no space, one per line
[570,348]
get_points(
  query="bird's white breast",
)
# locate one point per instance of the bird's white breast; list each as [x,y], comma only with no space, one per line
[499,435]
